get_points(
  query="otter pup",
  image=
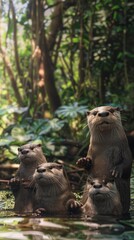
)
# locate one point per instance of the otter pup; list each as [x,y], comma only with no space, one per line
[52,190]
[30,156]
[109,152]
[101,197]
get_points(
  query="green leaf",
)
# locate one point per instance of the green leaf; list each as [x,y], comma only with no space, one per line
[71,111]
[6,141]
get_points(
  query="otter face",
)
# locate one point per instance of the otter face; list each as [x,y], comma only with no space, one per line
[103,118]
[101,189]
[28,153]
[49,174]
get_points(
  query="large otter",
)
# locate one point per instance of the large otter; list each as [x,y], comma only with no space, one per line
[30,156]
[101,197]
[52,190]
[108,151]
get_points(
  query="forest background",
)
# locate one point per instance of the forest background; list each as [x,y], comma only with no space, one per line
[59,59]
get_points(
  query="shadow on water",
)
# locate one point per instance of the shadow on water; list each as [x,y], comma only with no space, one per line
[18,227]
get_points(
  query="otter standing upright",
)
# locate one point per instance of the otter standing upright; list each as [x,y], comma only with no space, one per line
[108,151]
[30,156]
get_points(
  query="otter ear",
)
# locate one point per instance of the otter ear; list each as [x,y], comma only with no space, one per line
[88,113]
[18,149]
[117,109]
[120,110]
[90,179]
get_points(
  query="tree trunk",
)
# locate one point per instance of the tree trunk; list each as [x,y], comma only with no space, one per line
[51,90]
[17,60]
[11,77]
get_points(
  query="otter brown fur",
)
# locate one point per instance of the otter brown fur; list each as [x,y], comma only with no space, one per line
[101,197]
[52,190]
[30,156]
[108,151]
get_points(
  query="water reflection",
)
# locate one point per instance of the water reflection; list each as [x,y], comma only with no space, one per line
[65,228]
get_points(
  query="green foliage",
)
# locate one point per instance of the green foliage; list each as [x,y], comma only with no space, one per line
[91,58]
[50,132]
[45,131]
[71,111]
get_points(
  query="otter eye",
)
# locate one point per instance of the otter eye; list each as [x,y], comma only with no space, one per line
[32,147]
[59,167]
[90,180]
[50,168]
[109,180]
[88,113]
[94,113]
[111,110]
[39,145]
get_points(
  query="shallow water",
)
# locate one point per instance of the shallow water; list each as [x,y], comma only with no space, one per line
[66,228]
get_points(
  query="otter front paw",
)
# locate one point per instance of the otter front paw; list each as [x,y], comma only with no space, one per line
[39,212]
[84,162]
[14,183]
[117,171]
[73,206]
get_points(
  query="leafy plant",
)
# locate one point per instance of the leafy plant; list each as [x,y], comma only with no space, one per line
[72,111]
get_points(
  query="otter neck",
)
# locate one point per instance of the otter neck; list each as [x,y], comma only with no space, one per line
[27,170]
[104,206]
[55,189]
[107,137]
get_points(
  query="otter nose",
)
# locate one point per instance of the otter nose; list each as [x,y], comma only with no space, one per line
[97,185]
[25,151]
[103,114]
[41,170]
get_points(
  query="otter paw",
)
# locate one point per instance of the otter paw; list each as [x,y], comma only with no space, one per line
[39,212]
[84,162]
[14,183]
[73,206]
[117,171]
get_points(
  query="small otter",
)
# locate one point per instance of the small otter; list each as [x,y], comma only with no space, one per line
[30,156]
[52,190]
[109,153]
[101,197]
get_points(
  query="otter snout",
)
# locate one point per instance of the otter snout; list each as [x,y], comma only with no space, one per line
[97,185]
[103,114]
[41,169]
[25,151]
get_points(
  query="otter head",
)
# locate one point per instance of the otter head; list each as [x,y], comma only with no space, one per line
[101,190]
[50,175]
[102,197]
[103,118]
[31,153]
